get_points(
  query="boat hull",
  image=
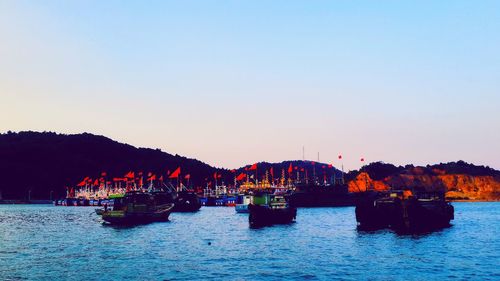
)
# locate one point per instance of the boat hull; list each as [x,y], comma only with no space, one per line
[242,208]
[263,215]
[126,218]
[187,202]
[404,215]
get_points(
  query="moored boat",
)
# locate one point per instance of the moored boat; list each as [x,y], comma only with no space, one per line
[187,201]
[268,209]
[242,202]
[404,210]
[137,208]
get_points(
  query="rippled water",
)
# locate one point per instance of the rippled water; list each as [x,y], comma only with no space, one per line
[61,243]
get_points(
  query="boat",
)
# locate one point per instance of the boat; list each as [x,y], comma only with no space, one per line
[242,202]
[325,194]
[404,210]
[220,196]
[186,201]
[137,208]
[268,209]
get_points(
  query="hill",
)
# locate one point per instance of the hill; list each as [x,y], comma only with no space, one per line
[45,163]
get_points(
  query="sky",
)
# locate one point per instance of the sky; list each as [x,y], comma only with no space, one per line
[237,82]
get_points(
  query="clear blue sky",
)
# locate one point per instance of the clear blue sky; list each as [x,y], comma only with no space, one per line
[235,82]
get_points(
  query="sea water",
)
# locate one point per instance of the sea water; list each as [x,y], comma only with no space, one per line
[72,243]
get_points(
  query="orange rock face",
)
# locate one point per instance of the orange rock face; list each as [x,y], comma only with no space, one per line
[456,186]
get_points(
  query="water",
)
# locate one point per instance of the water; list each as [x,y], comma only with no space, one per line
[71,243]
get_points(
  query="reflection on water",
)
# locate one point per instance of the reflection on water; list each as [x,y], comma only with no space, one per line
[48,243]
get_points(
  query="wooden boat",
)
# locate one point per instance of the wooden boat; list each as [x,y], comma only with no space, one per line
[403,210]
[186,201]
[268,209]
[137,208]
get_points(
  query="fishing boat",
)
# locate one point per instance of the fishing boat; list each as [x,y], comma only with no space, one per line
[137,208]
[268,209]
[242,202]
[404,210]
[186,201]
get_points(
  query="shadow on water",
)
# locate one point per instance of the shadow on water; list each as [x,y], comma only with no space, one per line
[416,233]
[280,225]
[130,225]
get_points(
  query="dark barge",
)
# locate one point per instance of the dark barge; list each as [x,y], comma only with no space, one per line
[404,210]
[268,209]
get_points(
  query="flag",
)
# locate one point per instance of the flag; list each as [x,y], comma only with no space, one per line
[161,178]
[241,176]
[82,183]
[188,176]
[290,168]
[271,171]
[103,174]
[130,175]
[152,177]
[215,175]
[150,174]
[175,174]
[330,165]
[96,182]
[253,167]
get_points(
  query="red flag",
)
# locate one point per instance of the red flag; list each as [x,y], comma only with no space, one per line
[330,165]
[241,176]
[96,182]
[215,175]
[253,167]
[130,175]
[175,174]
[150,174]
[103,174]
[82,183]
[340,156]
[161,178]
[152,177]
[188,176]
[302,169]
[272,172]
[290,168]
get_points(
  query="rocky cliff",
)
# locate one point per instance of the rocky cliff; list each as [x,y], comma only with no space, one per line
[480,183]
